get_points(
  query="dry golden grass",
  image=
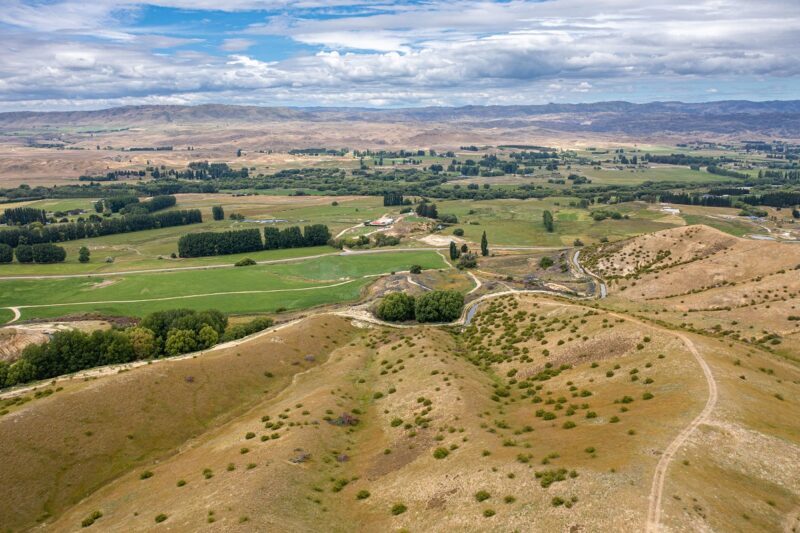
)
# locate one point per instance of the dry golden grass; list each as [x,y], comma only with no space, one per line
[77,440]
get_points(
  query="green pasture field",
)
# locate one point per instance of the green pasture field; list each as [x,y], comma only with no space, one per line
[519,222]
[674,174]
[302,284]
[151,249]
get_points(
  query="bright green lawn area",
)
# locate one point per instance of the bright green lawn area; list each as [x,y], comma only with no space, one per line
[349,272]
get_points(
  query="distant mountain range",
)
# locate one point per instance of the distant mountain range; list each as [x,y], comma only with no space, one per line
[774,119]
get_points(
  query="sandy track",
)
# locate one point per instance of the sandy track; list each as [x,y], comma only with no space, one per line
[17,314]
[478,282]
[657,488]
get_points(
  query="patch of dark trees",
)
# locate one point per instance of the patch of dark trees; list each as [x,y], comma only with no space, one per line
[211,243]
[20,216]
[97,227]
[163,333]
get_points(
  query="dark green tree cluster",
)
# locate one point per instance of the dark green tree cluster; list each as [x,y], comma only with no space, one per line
[243,330]
[164,333]
[20,216]
[427,210]
[484,245]
[115,203]
[454,251]
[438,306]
[392,198]
[218,213]
[433,306]
[40,253]
[249,240]
[396,307]
[547,219]
[467,260]
[292,237]
[219,243]
[157,203]
[71,231]
[774,199]
[130,204]
[6,253]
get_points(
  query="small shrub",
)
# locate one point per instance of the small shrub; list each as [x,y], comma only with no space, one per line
[89,520]
[146,474]
[440,453]
[362,495]
[488,513]
[398,508]
[160,518]
[482,495]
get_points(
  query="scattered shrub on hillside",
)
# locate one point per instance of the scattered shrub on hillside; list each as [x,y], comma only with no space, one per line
[398,508]
[467,260]
[91,519]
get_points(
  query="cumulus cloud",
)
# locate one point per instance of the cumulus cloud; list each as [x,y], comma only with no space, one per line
[236,45]
[71,54]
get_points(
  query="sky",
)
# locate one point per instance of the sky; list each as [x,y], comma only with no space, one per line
[90,54]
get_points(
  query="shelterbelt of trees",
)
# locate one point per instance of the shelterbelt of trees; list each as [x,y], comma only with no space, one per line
[82,229]
[211,243]
[160,334]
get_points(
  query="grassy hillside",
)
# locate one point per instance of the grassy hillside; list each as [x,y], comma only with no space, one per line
[76,440]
